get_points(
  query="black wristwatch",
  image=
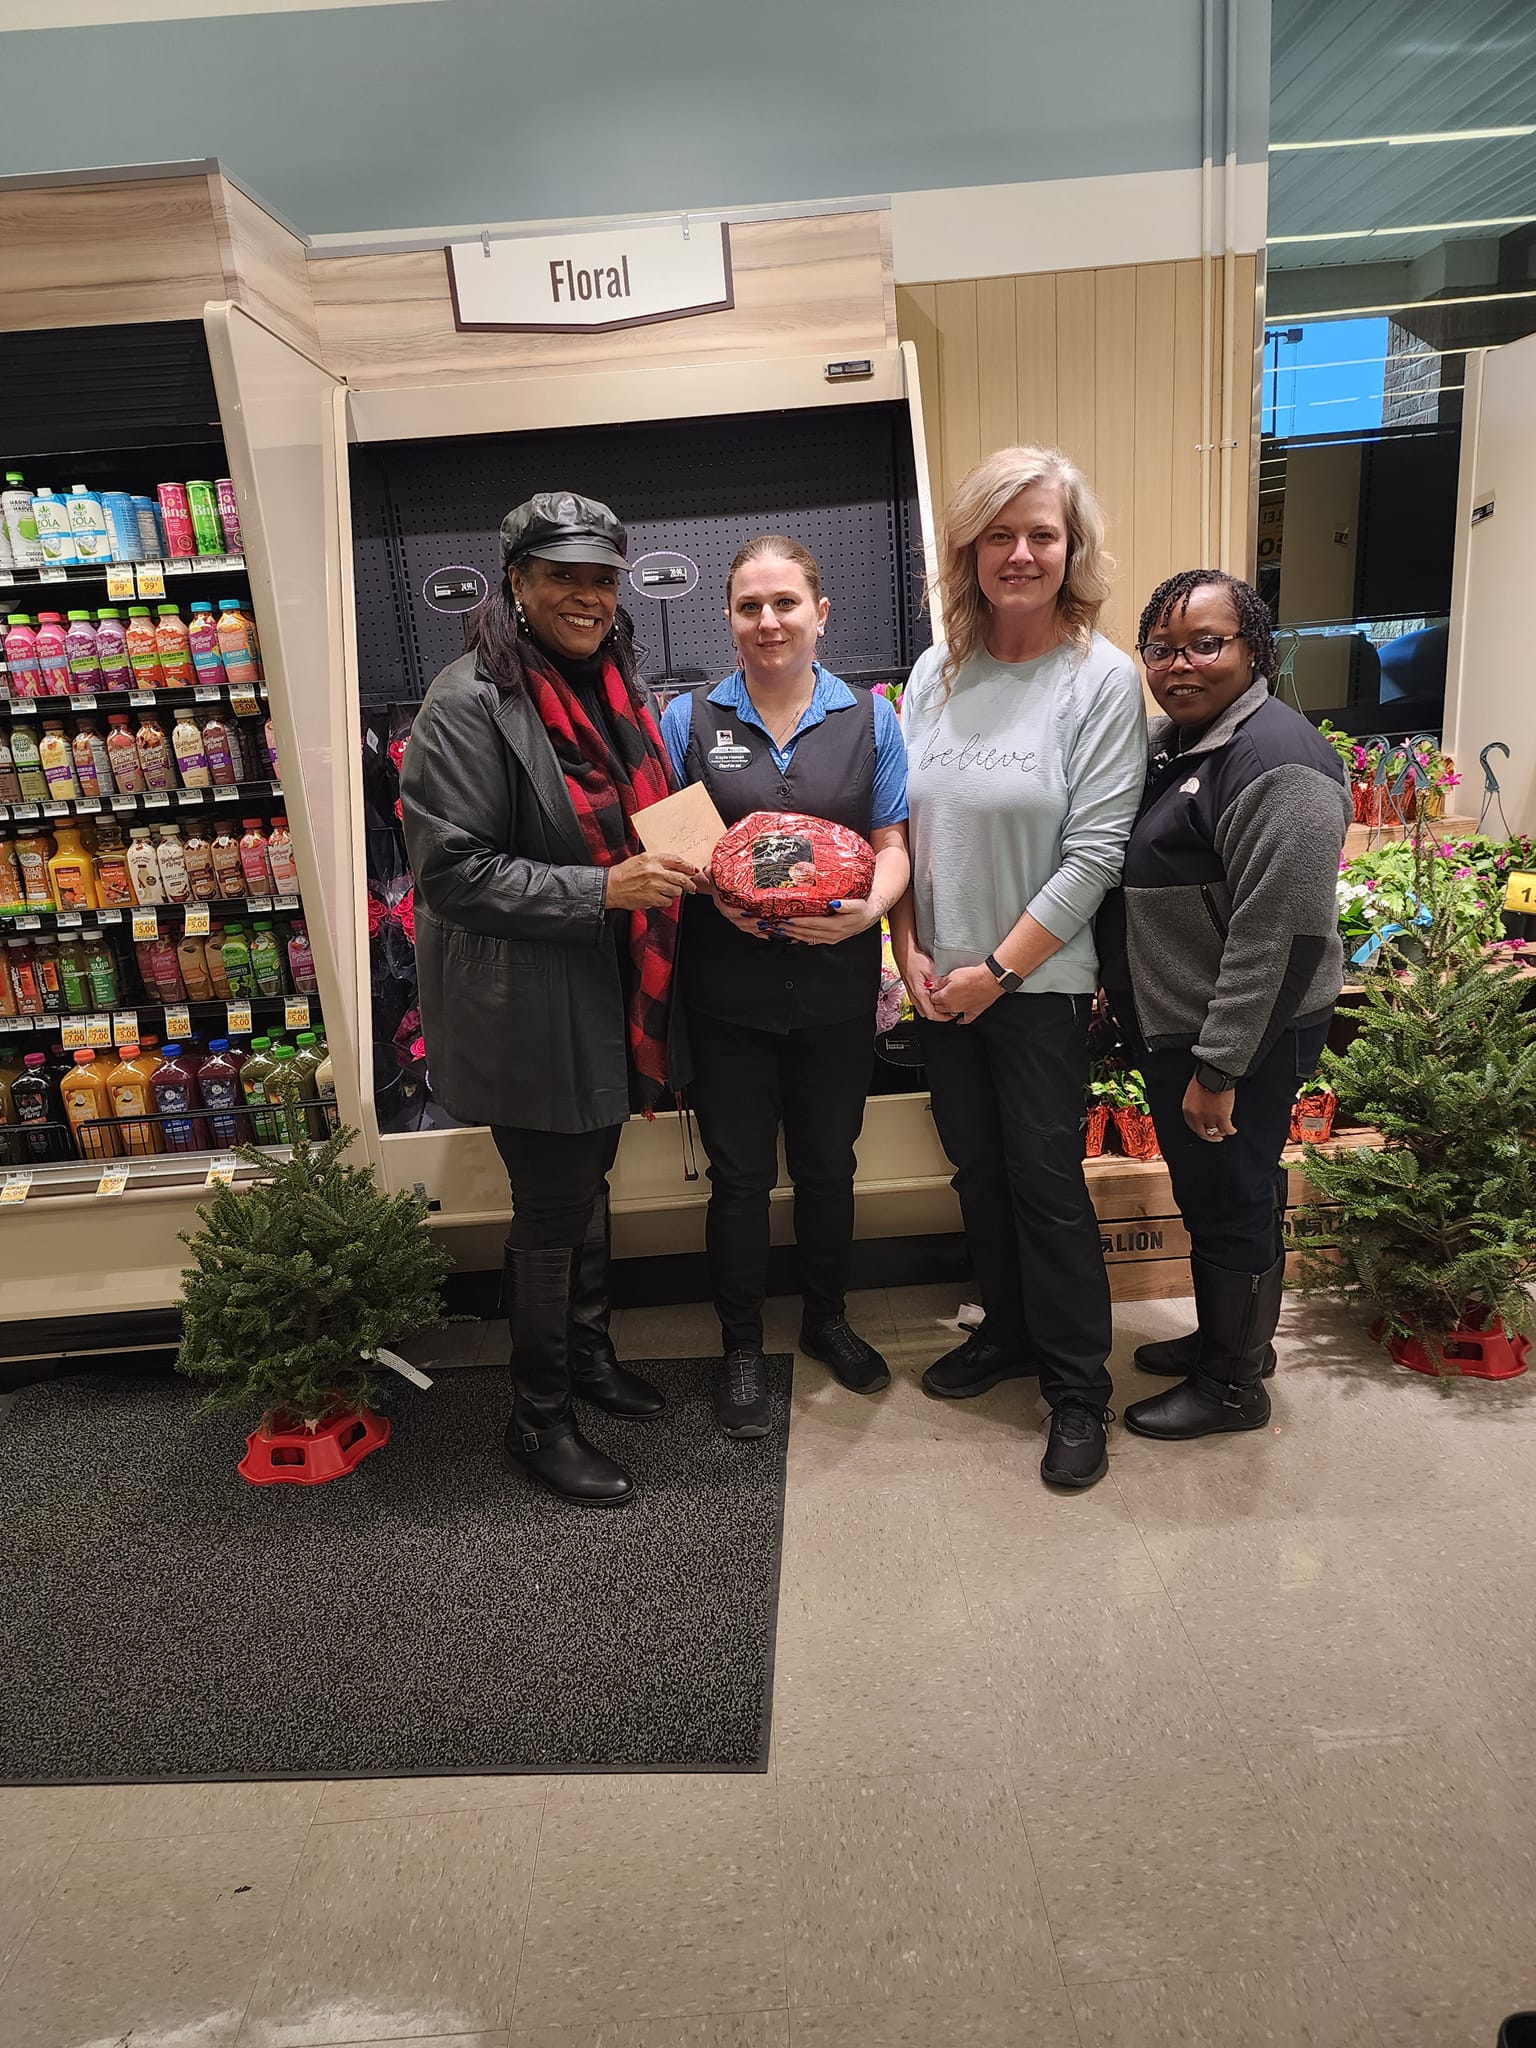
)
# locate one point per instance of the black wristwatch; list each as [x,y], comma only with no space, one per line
[1006,979]
[1213,1078]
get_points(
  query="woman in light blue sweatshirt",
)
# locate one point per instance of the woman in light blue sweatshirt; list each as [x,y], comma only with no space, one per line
[1026,757]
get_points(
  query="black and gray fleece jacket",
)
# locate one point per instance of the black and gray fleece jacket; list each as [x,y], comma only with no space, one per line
[1230,883]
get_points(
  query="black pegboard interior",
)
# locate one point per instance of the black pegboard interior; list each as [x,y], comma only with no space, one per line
[840,479]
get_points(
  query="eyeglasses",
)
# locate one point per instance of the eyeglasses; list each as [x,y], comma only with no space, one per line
[1202,649]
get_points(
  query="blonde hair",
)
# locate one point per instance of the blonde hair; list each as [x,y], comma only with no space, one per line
[975,502]
[778,547]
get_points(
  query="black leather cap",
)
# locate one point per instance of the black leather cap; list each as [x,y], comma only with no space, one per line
[560,526]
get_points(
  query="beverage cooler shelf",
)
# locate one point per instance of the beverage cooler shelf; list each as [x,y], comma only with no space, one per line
[171,916]
[112,1027]
[171,697]
[154,1173]
[96,576]
[151,802]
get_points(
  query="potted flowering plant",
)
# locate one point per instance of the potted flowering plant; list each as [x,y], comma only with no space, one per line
[1127,1097]
[1096,1118]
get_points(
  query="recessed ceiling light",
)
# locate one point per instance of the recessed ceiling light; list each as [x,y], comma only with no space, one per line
[1402,141]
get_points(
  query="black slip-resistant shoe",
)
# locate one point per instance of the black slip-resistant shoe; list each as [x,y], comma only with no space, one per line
[741,1393]
[1078,1451]
[972,1367]
[854,1363]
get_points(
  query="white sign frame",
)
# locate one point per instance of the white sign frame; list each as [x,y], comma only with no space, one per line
[658,268]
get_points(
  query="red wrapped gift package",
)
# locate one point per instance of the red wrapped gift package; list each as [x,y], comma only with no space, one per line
[781,864]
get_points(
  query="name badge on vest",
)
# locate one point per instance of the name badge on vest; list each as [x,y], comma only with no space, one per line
[727,752]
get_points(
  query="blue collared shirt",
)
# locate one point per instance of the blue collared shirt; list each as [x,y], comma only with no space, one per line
[888,799]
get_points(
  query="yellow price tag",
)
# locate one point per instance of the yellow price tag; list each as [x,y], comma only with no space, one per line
[151,579]
[238,1016]
[1520,895]
[178,1021]
[14,1187]
[120,584]
[197,921]
[296,1013]
[242,701]
[98,1030]
[146,924]
[125,1027]
[72,1033]
[221,1170]
[113,1180]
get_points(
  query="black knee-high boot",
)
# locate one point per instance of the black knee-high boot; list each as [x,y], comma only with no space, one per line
[1225,1389]
[596,1374]
[542,1437]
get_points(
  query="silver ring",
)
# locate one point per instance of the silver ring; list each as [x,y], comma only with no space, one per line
[1213,1130]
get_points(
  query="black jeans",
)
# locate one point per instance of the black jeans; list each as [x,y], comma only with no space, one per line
[556,1177]
[1232,1195]
[747,1083]
[1007,1096]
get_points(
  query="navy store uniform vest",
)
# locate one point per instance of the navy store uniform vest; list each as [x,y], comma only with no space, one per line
[774,984]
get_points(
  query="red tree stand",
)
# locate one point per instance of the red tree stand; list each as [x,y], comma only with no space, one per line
[1491,1354]
[301,1456]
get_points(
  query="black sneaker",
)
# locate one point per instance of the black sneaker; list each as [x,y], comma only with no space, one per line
[972,1367]
[855,1365]
[1078,1452]
[741,1393]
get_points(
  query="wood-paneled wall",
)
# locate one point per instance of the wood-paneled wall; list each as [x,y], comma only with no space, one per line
[1105,364]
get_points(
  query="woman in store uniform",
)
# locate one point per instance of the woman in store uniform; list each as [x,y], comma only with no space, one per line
[545,943]
[1026,748]
[1235,963]
[781,1022]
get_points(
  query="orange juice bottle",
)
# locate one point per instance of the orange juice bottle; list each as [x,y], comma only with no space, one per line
[133,1101]
[88,1106]
[74,876]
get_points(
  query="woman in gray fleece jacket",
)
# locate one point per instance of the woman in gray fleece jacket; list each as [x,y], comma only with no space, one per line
[1235,963]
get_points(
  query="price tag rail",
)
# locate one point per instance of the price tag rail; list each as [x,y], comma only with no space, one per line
[162,803]
[265,1011]
[75,572]
[172,918]
[171,699]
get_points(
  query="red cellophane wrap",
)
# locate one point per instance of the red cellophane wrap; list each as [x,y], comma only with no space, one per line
[781,864]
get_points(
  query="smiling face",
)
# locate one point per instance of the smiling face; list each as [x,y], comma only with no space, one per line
[1194,692]
[1021,555]
[775,617]
[569,606]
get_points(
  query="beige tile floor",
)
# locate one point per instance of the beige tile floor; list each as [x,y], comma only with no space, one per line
[1234,1748]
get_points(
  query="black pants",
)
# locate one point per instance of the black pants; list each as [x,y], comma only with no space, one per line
[1232,1195]
[1007,1097]
[557,1177]
[746,1084]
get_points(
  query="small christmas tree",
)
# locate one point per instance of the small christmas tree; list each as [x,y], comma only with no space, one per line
[1437,1230]
[300,1278]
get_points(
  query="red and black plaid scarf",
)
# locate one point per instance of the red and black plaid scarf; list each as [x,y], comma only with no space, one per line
[607,789]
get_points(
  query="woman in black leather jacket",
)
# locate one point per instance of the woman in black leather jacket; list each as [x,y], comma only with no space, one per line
[545,943]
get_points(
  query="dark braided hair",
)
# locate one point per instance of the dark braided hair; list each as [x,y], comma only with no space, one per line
[1254,620]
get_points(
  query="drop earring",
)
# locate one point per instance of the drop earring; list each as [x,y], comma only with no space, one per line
[522,619]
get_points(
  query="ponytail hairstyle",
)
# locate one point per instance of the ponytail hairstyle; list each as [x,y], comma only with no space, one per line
[778,547]
[975,502]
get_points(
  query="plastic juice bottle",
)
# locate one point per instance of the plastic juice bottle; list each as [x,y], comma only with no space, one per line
[21,656]
[227,864]
[173,647]
[218,1083]
[203,639]
[72,975]
[143,645]
[269,742]
[7,993]
[34,1108]
[101,968]
[144,867]
[45,960]
[253,858]
[30,779]
[161,965]
[34,850]
[57,757]
[13,898]
[187,746]
[154,753]
[237,643]
[285,869]
[71,871]
[213,954]
[174,1089]
[88,524]
[301,962]
[306,1064]
[11,1068]
[52,655]
[81,652]
[192,962]
[172,857]
[93,764]
[21,522]
[133,1102]
[255,1071]
[198,855]
[285,1090]
[221,766]
[112,651]
[22,970]
[235,952]
[54,535]
[114,887]
[123,754]
[87,1104]
[266,960]
[10,784]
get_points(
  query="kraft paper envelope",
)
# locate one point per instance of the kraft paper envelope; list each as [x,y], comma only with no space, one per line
[686,825]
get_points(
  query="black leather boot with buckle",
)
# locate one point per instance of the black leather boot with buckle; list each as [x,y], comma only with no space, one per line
[1237,1314]
[542,1437]
[596,1374]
